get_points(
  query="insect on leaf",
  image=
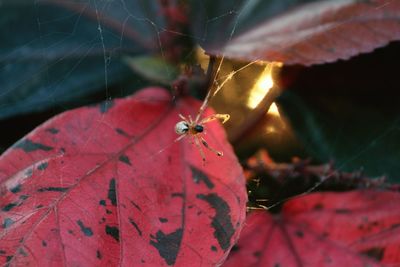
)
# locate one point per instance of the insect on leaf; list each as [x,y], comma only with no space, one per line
[108,185]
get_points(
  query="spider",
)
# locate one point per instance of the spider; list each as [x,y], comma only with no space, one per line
[195,128]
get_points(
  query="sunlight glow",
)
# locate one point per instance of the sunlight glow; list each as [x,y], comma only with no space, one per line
[273,110]
[270,129]
[262,86]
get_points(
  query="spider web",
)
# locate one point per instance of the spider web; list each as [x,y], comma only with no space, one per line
[147,24]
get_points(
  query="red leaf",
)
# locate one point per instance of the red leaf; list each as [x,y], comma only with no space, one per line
[324,229]
[320,32]
[91,187]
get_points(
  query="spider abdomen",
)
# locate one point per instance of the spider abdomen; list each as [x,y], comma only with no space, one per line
[181,127]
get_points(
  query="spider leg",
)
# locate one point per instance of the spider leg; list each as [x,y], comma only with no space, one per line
[197,142]
[182,117]
[222,117]
[190,119]
[176,140]
[203,106]
[180,138]
[218,153]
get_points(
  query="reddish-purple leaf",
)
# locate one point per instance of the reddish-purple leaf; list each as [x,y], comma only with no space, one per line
[320,32]
[107,185]
[359,228]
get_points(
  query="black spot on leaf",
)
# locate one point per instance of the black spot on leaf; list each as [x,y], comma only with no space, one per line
[299,233]
[257,254]
[98,254]
[122,132]
[43,166]
[8,259]
[44,243]
[221,222]
[125,159]
[29,172]
[214,248]
[182,195]
[235,248]
[163,220]
[16,189]
[318,206]
[29,146]
[23,197]
[343,211]
[376,253]
[199,176]
[106,105]
[52,130]
[87,231]
[136,205]
[395,225]
[168,245]
[7,222]
[113,232]
[136,226]
[112,194]
[9,206]
[53,189]
[22,252]
[102,202]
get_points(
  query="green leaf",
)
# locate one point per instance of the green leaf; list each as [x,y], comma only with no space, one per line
[58,53]
[360,138]
[348,112]
[155,69]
